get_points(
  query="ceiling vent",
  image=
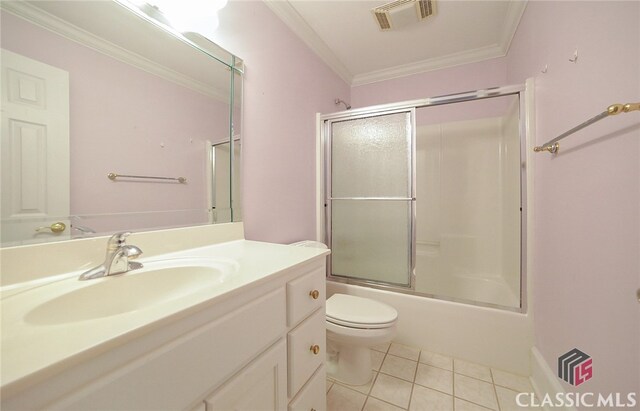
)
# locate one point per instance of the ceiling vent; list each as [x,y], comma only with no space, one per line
[401,13]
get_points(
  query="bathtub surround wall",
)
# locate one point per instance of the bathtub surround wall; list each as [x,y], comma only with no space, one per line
[587,230]
[168,140]
[467,219]
[510,166]
[285,85]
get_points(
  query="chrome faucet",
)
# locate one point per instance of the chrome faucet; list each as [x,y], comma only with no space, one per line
[117,259]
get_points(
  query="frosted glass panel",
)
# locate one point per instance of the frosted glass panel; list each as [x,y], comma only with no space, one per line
[371,240]
[370,157]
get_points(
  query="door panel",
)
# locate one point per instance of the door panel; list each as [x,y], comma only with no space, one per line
[35,150]
[371,198]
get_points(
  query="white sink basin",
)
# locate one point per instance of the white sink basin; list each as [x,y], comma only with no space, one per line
[158,282]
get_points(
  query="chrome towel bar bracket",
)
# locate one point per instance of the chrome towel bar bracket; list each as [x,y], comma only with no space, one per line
[553,146]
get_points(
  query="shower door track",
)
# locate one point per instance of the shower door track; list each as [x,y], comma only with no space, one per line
[411,105]
[425,102]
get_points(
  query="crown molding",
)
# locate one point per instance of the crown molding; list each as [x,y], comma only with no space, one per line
[52,23]
[450,60]
[288,14]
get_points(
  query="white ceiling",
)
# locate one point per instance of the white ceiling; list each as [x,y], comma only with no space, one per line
[345,35]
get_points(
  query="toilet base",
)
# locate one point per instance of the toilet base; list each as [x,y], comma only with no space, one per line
[350,365]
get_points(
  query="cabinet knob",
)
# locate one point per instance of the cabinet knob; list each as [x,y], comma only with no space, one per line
[315,349]
[314,294]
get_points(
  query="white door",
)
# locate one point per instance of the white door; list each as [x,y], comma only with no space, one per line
[35,151]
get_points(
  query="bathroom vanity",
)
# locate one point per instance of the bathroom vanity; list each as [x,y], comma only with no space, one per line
[234,325]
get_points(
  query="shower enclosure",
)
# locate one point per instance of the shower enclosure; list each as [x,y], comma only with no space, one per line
[427,197]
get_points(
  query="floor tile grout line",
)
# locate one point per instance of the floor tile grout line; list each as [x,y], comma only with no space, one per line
[380,372]
[400,378]
[434,389]
[495,390]
[386,402]
[473,402]
[479,379]
[435,366]
[453,383]
[384,357]
[413,383]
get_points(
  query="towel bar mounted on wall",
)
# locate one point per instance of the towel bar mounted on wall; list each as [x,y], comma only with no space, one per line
[114,176]
[553,146]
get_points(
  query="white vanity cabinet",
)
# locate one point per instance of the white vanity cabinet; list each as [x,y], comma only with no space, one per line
[306,341]
[258,347]
[292,366]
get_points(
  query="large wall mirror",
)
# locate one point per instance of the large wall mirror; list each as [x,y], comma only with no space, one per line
[113,121]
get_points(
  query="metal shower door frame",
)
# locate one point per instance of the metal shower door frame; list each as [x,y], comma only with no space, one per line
[411,199]
[411,105]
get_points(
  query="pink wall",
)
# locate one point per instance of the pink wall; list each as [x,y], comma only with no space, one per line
[484,74]
[587,198]
[469,77]
[284,86]
[119,117]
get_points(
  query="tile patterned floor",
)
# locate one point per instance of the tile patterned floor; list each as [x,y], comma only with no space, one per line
[405,378]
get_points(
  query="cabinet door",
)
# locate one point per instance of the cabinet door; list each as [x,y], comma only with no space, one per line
[313,396]
[261,385]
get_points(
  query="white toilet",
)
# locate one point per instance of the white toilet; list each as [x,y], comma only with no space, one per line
[354,324]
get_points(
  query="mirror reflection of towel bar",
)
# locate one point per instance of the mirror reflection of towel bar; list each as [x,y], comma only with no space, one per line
[113,176]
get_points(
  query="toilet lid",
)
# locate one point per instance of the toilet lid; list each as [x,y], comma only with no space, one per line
[358,312]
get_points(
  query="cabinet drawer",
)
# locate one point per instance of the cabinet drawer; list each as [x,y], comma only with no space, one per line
[302,359]
[301,293]
[313,396]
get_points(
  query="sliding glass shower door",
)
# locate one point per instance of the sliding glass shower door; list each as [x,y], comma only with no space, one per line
[370,197]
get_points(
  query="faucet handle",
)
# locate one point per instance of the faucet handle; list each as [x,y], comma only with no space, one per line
[118,240]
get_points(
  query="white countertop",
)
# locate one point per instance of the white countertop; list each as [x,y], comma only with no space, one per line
[30,349]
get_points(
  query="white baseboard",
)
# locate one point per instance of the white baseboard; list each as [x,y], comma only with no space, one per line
[544,380]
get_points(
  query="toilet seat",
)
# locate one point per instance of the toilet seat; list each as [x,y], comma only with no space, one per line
[357,325]
[357,312]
